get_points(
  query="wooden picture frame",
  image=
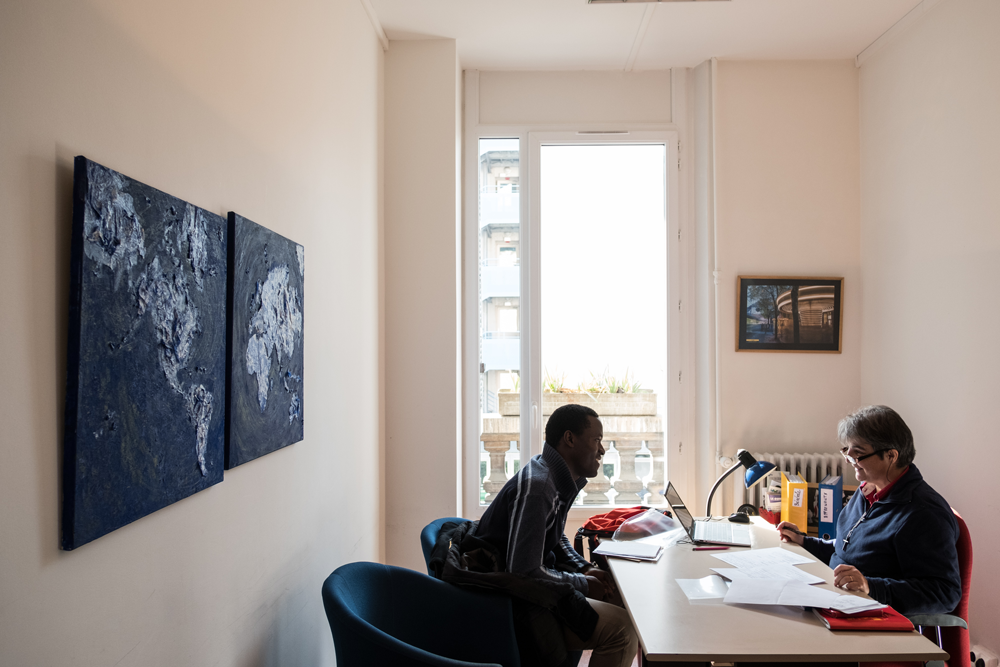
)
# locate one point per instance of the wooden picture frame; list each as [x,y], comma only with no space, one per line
[789,314]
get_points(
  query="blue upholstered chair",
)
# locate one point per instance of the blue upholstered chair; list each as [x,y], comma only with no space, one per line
[429,535]
[428,538]
[382,615]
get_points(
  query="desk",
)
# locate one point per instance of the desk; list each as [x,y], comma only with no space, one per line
[673,629]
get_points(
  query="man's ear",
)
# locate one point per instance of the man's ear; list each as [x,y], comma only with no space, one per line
[569,438]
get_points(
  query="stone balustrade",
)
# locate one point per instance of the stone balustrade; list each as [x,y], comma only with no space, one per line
[633,442]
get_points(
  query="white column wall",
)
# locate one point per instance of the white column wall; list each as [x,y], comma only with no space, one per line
[269,110]
[930,234]
[787,204]
[422,291]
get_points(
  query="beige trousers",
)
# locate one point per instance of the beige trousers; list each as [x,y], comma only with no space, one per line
[614,640]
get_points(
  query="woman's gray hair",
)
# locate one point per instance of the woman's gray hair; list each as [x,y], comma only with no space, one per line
[882,428]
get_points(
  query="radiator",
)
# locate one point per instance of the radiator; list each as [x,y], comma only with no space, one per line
[811,467]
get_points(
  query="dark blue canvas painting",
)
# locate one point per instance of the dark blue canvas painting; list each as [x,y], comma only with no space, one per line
[146,362]
[266,322]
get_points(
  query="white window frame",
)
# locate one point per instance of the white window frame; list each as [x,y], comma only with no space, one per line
[680,325]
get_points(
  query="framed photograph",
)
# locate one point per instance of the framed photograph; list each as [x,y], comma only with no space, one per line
[778,314]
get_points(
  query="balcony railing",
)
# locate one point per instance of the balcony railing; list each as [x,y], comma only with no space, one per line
[633,471]
[497,335]
[499,281]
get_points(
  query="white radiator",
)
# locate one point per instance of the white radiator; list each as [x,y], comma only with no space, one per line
[811,467]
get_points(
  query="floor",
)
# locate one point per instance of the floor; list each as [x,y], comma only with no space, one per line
[585,660]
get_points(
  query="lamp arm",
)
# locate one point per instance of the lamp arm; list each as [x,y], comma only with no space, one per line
[708,505]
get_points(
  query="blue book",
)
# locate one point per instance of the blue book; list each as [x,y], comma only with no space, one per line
[831,497]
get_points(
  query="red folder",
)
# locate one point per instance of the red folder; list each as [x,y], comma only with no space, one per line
[887,619]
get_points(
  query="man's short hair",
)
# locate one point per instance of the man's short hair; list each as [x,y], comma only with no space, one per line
[882,428]
[570,417]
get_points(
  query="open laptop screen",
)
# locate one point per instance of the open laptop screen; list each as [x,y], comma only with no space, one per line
[679,509]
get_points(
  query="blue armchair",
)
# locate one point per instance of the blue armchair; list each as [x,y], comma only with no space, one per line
[428,538]
[382,615]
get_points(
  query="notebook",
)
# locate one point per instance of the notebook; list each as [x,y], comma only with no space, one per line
[706,532]
[887,619]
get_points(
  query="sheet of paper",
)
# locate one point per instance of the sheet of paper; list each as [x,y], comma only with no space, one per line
[637,549]
[705,588]
[667,539]
[775,591]
[852,604]
[763,557]
[781,571]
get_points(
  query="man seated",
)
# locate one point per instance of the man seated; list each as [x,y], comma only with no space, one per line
[896,537]
[526,524]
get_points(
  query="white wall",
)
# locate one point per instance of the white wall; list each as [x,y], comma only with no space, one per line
[573,98]
[787,196]
[422,307]
[271,111]
[930,236]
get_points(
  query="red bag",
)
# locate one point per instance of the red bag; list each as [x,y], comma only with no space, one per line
[609,521]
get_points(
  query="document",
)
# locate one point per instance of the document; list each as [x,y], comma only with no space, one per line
[774,591]
[630,550]
[780,571]
[705,588]
[852,604]
[763,557]
[795,593]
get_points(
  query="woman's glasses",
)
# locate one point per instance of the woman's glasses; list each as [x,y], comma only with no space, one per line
[855,460]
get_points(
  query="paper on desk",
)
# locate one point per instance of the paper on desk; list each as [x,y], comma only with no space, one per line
[705,588]
[852,604]
[780,571]
[794,593]
[640,550]
[776,591]
[763,557]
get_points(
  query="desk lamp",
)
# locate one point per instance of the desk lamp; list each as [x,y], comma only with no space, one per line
[756,471]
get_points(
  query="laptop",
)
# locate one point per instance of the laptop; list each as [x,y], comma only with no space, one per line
[706,532]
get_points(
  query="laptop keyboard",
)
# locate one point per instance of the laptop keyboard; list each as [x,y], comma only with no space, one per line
[713,530]
[716,531]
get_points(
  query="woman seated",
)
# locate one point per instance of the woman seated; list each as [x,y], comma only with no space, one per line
[896,537]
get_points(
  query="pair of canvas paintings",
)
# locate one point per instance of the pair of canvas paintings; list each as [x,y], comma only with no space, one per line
[184,352]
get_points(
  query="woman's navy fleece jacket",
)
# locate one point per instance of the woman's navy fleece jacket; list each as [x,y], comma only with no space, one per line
[905,547]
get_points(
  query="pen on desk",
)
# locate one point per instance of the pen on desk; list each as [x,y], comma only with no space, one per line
[709,548]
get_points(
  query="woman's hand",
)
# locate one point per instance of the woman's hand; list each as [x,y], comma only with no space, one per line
[789,532]
[849,578]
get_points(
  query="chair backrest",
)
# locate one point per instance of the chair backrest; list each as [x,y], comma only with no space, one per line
[956,640]
[429,535]
[386,615]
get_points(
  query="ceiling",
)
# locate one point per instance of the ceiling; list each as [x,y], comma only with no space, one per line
[574,35]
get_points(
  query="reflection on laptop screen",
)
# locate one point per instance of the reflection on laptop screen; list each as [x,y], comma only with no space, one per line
[678,508]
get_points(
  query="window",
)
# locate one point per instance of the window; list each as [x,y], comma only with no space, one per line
[570,295]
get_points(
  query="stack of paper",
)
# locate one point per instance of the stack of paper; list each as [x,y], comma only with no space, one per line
[775,563]
[782,572]
[774,591]
[630,550]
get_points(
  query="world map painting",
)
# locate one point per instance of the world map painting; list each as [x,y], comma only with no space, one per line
[266,357]
[146,361]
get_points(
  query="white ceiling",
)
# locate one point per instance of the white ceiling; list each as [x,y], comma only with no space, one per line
[573,35]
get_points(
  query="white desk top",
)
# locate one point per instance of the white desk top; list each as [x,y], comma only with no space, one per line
[672,628]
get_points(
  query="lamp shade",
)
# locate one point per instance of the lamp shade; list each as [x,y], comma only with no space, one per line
[756,473]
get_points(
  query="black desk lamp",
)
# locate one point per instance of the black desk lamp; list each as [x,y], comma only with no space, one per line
[756,471]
